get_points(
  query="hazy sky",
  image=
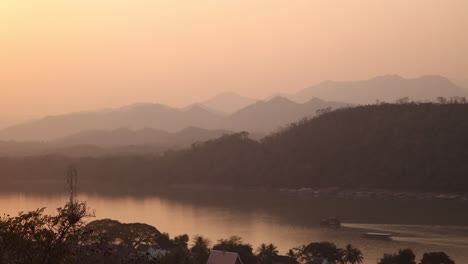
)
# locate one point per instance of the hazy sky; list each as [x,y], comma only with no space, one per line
[66,55]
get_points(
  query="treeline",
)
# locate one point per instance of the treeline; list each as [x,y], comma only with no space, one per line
[405,145]
[66,237]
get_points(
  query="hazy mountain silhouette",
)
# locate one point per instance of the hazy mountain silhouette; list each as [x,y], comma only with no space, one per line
[260,117]
[125,136]
[274,113]
[228,102]
[411,146]
[136,116]
[121,141]
[386,88]
[463,84]
[200,106]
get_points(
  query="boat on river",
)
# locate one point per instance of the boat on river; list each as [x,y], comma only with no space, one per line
[383,236]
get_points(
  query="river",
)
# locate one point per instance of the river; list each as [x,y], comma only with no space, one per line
[285,220]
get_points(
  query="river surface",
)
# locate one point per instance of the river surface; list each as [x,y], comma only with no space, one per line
[285,220]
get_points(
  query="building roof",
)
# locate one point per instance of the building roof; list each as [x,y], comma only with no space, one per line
[223,257]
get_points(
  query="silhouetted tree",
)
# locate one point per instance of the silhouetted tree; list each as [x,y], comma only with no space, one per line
[405,256]
[235,244]
[114,232]
[35,237]
[436,258]
[352,255]
[266,253]
[320,250]
[200,249]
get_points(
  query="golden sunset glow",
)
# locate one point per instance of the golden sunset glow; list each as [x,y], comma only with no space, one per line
[58,56]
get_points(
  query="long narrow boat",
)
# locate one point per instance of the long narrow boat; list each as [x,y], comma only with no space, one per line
[383,236]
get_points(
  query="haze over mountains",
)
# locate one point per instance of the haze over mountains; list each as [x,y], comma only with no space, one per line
[463,84]
[122,141]
[260,117]
[269,115]
[226,112]
[228,102]
[410,146]
[386,88]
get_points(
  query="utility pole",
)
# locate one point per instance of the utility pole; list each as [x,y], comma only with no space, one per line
[72,179]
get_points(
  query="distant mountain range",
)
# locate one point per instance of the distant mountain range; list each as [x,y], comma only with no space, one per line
[463,84]
[115,142]
[228,102]
[260,117]
[274,113]
[230,111]
[406,146]
[388,88]
[136,116]
[125,136]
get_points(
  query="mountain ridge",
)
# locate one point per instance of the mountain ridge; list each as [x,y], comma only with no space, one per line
[281,111]
[388,88]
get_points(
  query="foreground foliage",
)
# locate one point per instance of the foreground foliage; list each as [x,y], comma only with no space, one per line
[39,238]
[35,237]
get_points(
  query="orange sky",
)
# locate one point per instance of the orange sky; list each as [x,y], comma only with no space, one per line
[59,56]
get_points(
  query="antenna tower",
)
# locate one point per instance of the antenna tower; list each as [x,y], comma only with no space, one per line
[72,179]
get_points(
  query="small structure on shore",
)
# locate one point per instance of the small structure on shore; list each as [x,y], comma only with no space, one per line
[223,257]
[331,222]
[151,251]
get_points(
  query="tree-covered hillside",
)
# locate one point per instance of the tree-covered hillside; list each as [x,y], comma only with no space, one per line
[406,145]
[387,145]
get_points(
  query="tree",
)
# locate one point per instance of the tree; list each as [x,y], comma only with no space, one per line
[291,253]
[181,241]
[200,249]
[35,237]
[389,259]
[177,255]
[352,255]
[436,258]
[114,232]
[441,100]
[179,252]
[325,250]
[266,253]
[164,241]
[234,244]
[320,250]
[405,256]
[403,100]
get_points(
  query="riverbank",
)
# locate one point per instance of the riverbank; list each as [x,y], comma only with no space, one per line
[111,188]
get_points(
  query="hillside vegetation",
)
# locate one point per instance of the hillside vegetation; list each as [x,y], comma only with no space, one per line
[406,145]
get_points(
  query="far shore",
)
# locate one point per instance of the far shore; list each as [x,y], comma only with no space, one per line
[51,187]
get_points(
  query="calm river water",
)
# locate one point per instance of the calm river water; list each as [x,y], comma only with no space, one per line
[286,220]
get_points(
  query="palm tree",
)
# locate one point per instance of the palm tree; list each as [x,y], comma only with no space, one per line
[200,249]
[266,253]
[291,253]
[352,255]
[269,250]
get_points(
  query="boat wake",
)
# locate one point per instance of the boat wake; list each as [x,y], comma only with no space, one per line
[450,236]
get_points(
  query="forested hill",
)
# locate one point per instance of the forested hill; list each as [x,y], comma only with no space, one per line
[410,146]
[388,145]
